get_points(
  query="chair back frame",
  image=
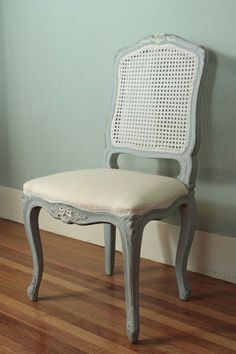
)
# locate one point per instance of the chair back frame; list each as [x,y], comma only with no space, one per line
[187,158]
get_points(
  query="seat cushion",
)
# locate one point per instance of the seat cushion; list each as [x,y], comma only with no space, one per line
[110,190]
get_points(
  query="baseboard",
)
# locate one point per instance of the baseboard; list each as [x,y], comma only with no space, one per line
[211,254]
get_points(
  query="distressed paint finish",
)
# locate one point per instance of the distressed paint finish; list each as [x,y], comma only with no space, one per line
[130,226]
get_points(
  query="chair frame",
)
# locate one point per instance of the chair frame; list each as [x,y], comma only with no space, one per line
[130,226]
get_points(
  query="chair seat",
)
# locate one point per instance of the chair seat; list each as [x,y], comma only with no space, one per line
[110,190]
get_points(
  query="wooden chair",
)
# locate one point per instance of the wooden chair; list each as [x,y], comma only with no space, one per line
[153,115]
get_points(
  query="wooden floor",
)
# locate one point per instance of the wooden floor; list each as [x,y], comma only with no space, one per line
[81,310]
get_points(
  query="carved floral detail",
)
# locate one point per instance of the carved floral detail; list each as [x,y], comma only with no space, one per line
[130,222]
[67,214]
[160,37]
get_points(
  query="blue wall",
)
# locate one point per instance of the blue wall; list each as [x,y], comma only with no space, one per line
[56,67]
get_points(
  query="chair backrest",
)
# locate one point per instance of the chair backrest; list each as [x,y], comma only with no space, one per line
[155,99]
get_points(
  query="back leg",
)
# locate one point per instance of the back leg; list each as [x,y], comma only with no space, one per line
[110,243]
[188,221]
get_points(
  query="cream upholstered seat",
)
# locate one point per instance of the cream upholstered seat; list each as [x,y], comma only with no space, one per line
[153,115]
[134,192]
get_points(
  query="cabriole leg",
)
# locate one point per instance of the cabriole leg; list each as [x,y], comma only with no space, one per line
[188,221]
[131,237]
[110,243]
[32,230]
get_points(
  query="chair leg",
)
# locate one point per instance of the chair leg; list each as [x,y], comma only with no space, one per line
[188,221]
[110,243]
[131,238]
[32,231]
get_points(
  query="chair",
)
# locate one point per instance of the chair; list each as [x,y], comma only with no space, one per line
[153,115]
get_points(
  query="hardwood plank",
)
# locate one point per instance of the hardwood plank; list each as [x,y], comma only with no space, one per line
[167,319]
[81,310]
[60,325]
[10,346]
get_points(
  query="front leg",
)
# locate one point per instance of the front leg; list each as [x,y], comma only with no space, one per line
[131,237]
[31,214]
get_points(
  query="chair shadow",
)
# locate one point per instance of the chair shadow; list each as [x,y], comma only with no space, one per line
[153,341]
[71,295]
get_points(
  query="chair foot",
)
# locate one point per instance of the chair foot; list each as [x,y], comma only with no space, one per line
[185,294]
[133,336]
[32,294]
[33,289]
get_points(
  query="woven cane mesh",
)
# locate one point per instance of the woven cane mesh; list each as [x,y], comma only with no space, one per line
[155,87]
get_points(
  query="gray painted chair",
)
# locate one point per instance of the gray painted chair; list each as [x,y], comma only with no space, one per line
[153,115]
